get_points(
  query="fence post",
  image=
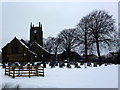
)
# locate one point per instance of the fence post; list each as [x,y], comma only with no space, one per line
[9,71]
[19,71]
[29,71]
[5,70]
[36,67]
[13,72]
[43,71]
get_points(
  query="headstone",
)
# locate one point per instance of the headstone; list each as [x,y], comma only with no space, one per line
[105,64]
[33,64]
[16,64]
[81,63]
[60,65]
[52,64]
[68,65]
[63,64]
[85,65]
[28,66]
[38,64]
[13,66]
[100,63]
[22,63]
[89,64]
[77,66]
[95,64]
[56,64]
[44,65]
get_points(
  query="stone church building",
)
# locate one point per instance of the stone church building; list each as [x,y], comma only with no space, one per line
[26,51]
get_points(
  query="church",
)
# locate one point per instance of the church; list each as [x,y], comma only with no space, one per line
[19,50]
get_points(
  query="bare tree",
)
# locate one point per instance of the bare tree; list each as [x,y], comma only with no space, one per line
[101,28]
[85,38]
[52,44]
[83,32]
[47,44]
[68,39]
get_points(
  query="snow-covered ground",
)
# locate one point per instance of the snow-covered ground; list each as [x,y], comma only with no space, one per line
[90,77]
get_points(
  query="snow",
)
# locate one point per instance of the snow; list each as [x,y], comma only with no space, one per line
[23,44]
[90,77]
[41,47]
[32,52]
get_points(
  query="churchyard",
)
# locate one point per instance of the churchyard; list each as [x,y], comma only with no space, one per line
[80,75]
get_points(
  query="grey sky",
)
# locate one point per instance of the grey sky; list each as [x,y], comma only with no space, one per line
[54,16]
[0,24]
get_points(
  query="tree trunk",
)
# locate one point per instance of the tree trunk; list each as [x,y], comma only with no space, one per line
[98,49]
[55,56]
[86,56]
[68,51]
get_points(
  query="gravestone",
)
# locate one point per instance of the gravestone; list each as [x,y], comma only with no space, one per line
[33,64]
[16,64]
[44,65]
[95,64]
[13,66]
[60,65]
[85,66]
[105,64]
[99,63]
[89,64]
[28,64]
[63,64]
[68,65]
[56,63]
[52,64]
[81,63]
[77,66]
[23,63]
[38,64]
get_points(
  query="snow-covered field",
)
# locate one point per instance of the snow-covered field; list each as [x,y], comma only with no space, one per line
[90,77]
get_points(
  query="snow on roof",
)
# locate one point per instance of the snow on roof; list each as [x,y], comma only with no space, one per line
[41,47]
[9,42]
[23,44]
[52,53]
[26,47]
[27,41]
[19,41]
[32,52]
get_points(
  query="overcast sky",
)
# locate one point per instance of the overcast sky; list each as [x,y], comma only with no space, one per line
[54,16]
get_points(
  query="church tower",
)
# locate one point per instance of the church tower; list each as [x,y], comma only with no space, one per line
[36,34]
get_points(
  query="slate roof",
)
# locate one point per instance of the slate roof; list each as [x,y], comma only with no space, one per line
[41,47]
[26,44]
[23,44]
